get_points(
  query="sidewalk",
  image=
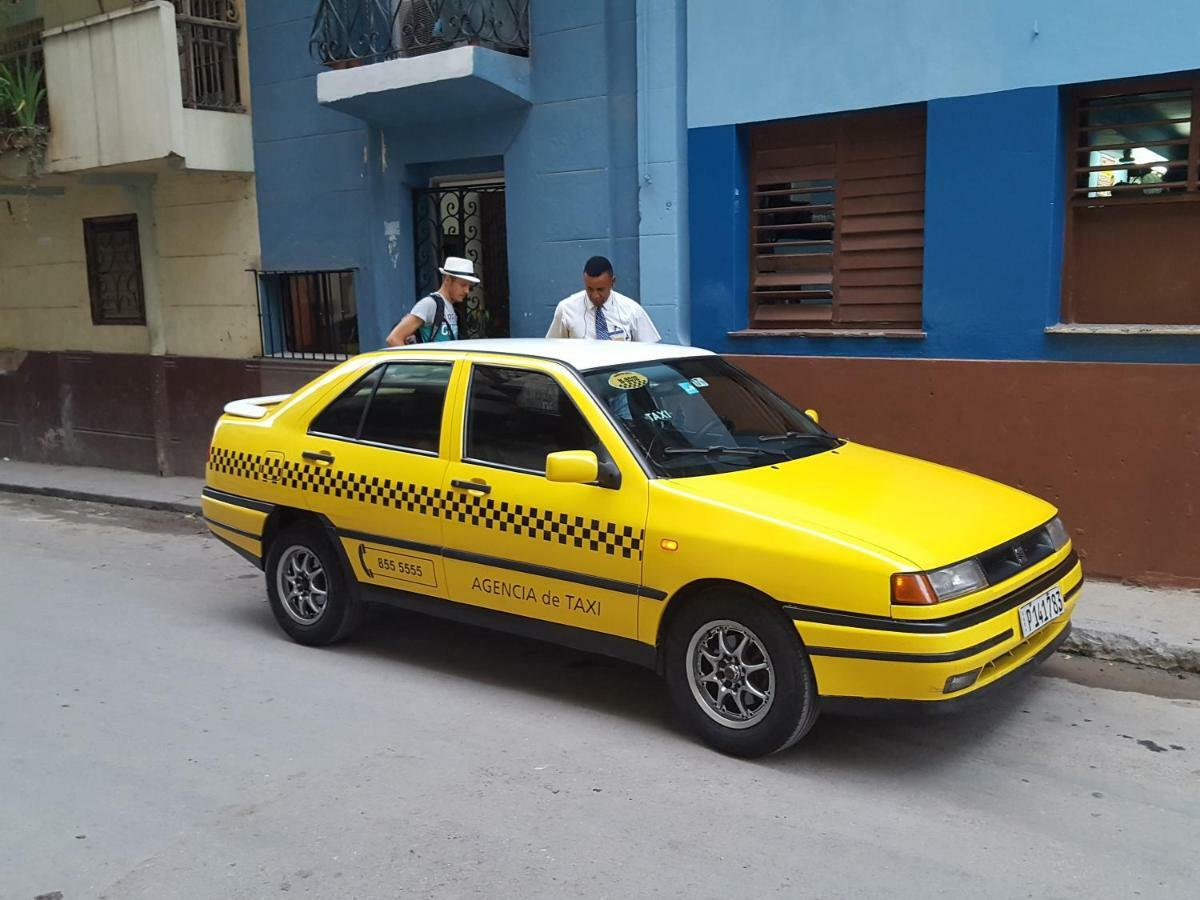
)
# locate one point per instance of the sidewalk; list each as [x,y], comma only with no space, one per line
[102,485]
[1150,627]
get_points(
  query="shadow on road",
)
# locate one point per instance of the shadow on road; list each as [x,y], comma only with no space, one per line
[893,746]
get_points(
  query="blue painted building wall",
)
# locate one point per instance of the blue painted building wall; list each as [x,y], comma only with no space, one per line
[330,184]
[310,201]
[995,161]
[774,59]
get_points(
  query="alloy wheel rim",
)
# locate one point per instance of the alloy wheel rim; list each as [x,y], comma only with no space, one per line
[730,674]
[302,584]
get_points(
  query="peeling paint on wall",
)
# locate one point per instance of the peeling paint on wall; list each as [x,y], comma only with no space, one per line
[391,231]
[11,360]
[382,152]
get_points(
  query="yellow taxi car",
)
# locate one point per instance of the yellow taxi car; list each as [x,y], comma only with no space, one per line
[645,501]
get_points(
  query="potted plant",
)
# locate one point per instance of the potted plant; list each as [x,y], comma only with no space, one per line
[21,92]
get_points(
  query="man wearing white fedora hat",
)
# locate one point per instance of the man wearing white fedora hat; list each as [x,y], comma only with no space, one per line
[433,318]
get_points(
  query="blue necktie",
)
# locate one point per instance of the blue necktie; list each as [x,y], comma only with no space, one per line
[601,325]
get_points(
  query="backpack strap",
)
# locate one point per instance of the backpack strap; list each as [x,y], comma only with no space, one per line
[439,318]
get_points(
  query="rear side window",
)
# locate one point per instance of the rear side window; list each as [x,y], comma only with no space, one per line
[515,417]
[343,417]
[406,410]
[398,405]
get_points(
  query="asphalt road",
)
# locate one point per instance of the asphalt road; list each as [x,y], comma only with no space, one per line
[160,738]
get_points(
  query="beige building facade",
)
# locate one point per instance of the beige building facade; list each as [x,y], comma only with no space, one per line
[198,238]
[128,232]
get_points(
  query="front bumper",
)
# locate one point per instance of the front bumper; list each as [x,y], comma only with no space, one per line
[873,658]
[963,700]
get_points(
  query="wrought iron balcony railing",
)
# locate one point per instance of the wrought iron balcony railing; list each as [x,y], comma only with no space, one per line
[208,54]
[353,32]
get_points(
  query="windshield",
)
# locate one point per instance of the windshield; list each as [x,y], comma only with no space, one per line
[702,416]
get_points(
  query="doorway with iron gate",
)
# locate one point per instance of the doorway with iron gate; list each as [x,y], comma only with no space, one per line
[460,218]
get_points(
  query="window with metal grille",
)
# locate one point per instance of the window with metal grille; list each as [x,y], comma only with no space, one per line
[837,221]
[1133,215]
[114,270]
[208,54]
[308,315]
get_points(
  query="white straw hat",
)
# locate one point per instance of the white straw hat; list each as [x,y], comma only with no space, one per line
[457,267]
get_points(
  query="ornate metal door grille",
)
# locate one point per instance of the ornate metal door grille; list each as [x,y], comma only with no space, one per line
[467,221]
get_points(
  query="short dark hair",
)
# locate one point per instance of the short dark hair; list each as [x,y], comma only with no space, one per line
[597,266]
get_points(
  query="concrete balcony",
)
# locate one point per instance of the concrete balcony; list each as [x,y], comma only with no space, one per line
[117,96]
[422,61]
[463,82]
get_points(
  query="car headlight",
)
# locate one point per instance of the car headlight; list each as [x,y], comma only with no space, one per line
[1057,532]
[938,586]
[954,581]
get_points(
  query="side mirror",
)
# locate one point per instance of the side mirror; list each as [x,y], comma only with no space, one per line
[572,467]
[812,414]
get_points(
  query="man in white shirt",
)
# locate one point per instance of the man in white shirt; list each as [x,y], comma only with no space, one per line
[600,313]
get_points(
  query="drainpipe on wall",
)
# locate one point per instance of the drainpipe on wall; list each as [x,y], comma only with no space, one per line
[662,176]
[141,197]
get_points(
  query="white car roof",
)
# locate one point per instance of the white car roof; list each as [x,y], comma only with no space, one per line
[581,354]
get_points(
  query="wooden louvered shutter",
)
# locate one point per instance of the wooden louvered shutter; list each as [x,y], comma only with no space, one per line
[837,221]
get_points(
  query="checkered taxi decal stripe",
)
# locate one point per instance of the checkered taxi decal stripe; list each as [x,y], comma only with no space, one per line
[483,512]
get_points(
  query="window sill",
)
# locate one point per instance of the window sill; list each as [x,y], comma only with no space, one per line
[905,333]
[1125,330]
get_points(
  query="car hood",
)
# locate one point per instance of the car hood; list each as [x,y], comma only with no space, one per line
[929,514]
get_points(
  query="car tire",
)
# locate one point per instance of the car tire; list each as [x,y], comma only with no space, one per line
[718,695]
[311,597]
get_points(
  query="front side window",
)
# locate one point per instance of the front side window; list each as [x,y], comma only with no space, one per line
[838,221]
[704,416]
[1134,214]
[515,417]
[398,405]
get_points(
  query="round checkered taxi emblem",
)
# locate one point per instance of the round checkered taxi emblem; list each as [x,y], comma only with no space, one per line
[628,381]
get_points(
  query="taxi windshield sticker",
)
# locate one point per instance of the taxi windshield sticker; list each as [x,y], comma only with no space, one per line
[628,381]
[688,388]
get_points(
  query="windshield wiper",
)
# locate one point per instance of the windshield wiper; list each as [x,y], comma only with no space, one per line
[799,435]
[718,449]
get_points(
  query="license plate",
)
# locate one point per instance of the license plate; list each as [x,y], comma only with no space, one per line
[1040,611]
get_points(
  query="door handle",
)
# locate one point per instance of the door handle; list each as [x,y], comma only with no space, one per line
[318,457]
[478,487]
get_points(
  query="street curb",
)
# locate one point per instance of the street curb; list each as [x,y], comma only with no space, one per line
[111,499]
[1084,640]
[1142,650]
